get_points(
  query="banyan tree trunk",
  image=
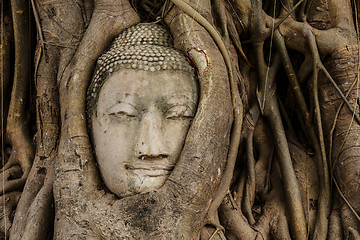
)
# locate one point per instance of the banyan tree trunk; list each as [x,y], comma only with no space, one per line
[275,188]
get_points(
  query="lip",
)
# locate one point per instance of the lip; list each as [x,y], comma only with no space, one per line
[149,169]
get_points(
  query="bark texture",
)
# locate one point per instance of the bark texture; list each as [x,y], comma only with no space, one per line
[272,153]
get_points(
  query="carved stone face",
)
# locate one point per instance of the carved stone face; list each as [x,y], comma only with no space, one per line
[139,127]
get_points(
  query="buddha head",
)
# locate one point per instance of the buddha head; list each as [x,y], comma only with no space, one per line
[140,105]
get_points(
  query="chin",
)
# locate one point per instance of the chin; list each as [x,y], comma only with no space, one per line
[143,184]
[150,184]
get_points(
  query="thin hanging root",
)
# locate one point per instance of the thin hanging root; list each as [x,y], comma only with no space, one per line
[234,35]
[249,193]
[271,112]
[319,66]
[233,203]
[266,32]
[38,27]
[239,7]
[265,148]
[302,11]
[240,189]
[17,122]
[3,154]
[292,192]
[321,226]
[322,67]
[324,199]
[219,232]
[332,163]
[5,52]
[285,116]
[213,235]
[305,69]
[268,173]
[221,12]
[345,200]
[237,106]
[277,24]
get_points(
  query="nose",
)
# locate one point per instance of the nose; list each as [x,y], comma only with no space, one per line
[150,139]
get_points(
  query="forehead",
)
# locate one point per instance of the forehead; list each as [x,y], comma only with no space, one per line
[133,83]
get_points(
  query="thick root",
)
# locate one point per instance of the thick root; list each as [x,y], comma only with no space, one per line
[17,120]
[7,207]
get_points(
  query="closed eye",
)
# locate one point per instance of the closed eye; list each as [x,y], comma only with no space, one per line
[122,110]
[121,113]
[179,112]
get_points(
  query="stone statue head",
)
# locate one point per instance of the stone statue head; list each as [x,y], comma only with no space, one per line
[140,104]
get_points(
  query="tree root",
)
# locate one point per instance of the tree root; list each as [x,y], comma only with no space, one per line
[350,224]
[234,222]
[325,187]
[115,16]
[7,208]
[273,222]
[237,108]
[335,226]
[249,191]
[271,112]
[332,163]
[234,36]
[5,61]
[219,7]
[34,218]
[76,178]
[17,121]
[264,147]
[34,213]
[355,234]
[40,214]
[291,187]
[239,189]
[324,201]
[13,178]
[76,157]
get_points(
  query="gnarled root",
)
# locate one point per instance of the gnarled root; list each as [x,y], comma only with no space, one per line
[8,204]
[17,120]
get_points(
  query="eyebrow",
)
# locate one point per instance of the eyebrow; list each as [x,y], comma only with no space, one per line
[181,100]
[119,102]
[182,97]
[123,98]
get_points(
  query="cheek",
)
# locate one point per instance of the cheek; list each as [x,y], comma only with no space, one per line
[113,140]
[175,133]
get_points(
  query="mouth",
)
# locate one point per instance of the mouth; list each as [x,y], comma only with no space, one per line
[149,170]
